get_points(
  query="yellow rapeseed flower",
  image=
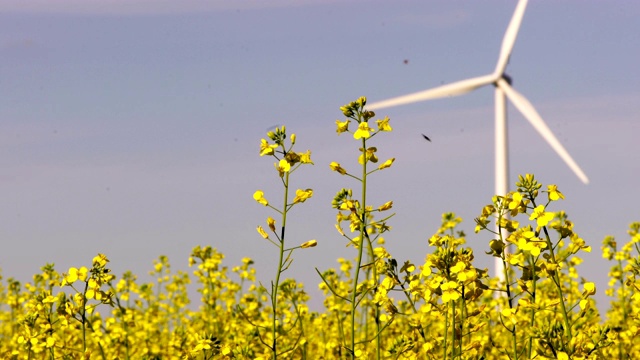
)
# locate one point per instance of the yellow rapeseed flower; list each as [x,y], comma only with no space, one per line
[342,126]
[383,125]
[266,148]
[542,217]
[262,232]
[510,314]
[75,274]
[386,206]
[336,167]
[100,260]
[363,131]
[386,164]
[259,197]
[302,195]
[554,193]
[449,292]
[369,155]
[272,223]
[305,158]
[283,166]
[589,288]
[459,266]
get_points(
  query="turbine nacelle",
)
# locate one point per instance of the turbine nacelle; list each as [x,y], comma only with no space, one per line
[506,78]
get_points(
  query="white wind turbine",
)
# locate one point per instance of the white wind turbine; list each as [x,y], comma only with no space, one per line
[502,88]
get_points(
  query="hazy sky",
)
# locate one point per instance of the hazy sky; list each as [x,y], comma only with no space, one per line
[132,127]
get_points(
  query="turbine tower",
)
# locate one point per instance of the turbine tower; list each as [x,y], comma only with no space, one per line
[503,90]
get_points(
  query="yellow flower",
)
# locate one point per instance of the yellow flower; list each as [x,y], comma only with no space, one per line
[369,155]
[386,206]
[226,350]
[408,267]
[259,197]
[542,217]
[262,232]
[342,126]
[449,292]
[383,125]
[305,158]
[272,223]
[283,166]
[203,344]
[426,270]
[50,342]
[381,253]
[589,289]
[390,308]
[516,198]
[584,304]
[266,148]
[459,266]
[562,355]
[386,164]
[100,260]
[525,245]
[93,291]
[528,242]
[75,274]
[363,131]
[515,259]
[302,195]
[468,275]
[510,314]
[517,204]
[554,193]
[336,167]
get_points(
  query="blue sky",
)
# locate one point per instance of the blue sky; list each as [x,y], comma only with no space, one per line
[132,127]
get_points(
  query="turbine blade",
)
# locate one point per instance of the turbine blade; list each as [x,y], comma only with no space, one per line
[453,89]
[530,113]
[510,37]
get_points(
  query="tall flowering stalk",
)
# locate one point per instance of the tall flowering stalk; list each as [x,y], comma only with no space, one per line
[553,328]
[359,215]
[78,306]
[449,273]
[287,161]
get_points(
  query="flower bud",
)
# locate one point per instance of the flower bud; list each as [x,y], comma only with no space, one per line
[309,244]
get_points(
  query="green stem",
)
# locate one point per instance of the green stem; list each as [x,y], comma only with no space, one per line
[373,269]
[556,281]
[446,333]
[624,308]
[532,265]
[360,249]
[83,317]
[274,289]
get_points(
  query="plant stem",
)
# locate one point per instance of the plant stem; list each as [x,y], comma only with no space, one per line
[360,248]
[556,280]
[532,265]
[274,289]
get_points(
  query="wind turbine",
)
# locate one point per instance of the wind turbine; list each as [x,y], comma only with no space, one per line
[503,90]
